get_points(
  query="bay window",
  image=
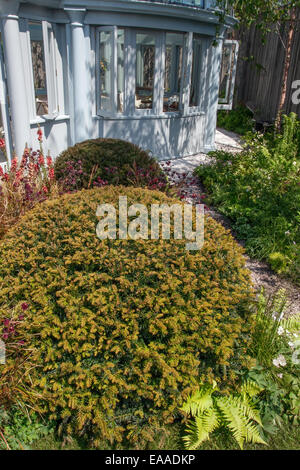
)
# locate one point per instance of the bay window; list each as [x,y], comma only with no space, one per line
[146,72]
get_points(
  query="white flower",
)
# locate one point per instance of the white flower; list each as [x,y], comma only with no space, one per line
[280,331]
[280,376]
[279,361]
[291,344]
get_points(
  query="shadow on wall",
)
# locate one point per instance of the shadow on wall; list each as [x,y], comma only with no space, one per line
[165,138]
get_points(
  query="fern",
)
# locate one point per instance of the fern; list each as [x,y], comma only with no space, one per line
[292,324]
[210,410]
[200,429]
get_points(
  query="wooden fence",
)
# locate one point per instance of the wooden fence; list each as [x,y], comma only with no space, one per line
[258,81]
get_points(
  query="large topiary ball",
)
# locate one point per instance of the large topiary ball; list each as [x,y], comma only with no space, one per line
[120,331]
[112,161]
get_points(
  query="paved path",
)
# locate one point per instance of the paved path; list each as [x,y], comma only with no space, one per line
[180,173]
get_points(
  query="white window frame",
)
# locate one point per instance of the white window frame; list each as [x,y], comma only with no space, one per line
[51,72]
[180,110]
[201,92]
[130,58]
[113,79]
[159,71]
[5,114]
[227,102]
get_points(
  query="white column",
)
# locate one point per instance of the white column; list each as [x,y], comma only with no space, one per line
[15,75]
[80,75]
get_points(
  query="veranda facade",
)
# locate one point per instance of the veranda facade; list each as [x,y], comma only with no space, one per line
[146,72]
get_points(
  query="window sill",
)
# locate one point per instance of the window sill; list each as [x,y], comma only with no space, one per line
[135,117]
[43,120]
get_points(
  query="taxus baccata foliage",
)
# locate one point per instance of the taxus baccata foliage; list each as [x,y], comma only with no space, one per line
[123,330]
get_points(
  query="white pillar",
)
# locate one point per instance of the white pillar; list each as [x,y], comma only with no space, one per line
[80,76]
[15,75]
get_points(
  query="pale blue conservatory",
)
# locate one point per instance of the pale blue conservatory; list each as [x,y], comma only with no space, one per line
[139,70]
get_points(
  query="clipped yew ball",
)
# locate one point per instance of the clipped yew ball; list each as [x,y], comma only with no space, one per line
[114,161]
[121,330]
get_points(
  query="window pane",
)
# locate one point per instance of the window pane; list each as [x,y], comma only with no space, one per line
[196,71]
[106,65]
[120,71]
[145,66]
[227,68]
[39,68]
[173,71]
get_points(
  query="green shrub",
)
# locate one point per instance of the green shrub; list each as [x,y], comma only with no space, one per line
[121,330]
[259,189]
[19,429]
[107,161]
[239,120]
[275,346]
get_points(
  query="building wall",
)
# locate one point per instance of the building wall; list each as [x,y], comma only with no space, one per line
[166,136]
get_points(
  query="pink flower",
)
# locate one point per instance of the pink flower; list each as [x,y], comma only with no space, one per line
[41,159]
[40,134]
[51,173]
[14,164]
[24,306]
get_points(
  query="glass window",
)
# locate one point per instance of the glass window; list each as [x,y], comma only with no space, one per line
[120,71]
[145,67]
[196,71]
[173,71]
[227,75]
[106,70]
[39,67]
[111,70]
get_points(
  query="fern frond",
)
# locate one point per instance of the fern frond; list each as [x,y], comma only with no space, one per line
[234,417]
[292,324]
[253,434]
[199,401]
[250,388]
[200,428]
[247,408]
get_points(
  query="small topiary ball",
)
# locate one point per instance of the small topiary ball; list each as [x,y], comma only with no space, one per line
[112,161]
[120,331]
